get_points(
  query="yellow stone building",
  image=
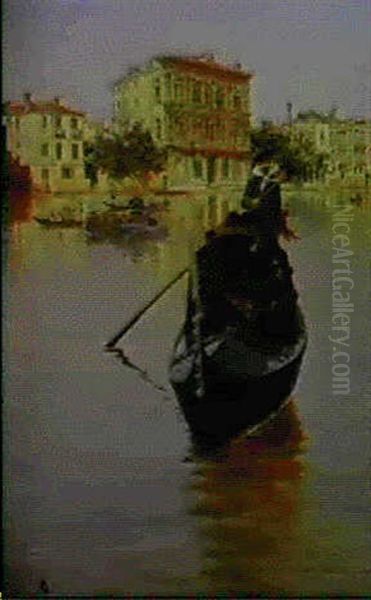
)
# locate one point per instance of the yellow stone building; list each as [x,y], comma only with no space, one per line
[196,108]
[350,146]
[47,138]
[345,143]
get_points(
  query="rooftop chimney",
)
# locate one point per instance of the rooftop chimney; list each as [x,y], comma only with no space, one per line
[289,112]
[206,56]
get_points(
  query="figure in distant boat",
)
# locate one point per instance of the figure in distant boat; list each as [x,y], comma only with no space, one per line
[357,199]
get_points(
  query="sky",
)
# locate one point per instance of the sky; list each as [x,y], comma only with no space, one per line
[313,53]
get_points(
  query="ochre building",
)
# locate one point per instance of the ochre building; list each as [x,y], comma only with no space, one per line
[199,110]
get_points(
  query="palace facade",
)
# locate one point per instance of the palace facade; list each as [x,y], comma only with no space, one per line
[199,110]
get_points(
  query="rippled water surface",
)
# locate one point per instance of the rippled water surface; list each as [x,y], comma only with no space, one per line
[103,493]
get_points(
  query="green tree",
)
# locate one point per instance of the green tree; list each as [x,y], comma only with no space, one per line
[299,158]
[133,154]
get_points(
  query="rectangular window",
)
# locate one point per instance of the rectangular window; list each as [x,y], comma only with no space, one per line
[17,122]
[67,173]
[196,96]
[45,150]
[58,121]
[75,151]
[158,129]
[45,122]
[74,123]
[158,90]
[178,90]
[237,100]
[208,94]
[45,174]
[168,85]
[58,151]
[226,167]
[219,97]
[237,170]
[197,168]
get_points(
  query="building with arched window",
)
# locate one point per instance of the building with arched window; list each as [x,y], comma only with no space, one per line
[199,110]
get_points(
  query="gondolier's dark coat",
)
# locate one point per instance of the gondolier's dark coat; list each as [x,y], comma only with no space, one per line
[240,266]
[270,201]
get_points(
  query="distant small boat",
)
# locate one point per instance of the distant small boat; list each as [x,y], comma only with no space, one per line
[146,226]
[57,222]
[135,203]
[116,226]
[115,207]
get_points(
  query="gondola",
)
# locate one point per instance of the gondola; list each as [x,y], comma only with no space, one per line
[147,227]
[238,355]
[57,222]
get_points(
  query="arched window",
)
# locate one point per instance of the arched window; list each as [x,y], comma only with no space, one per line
[196,96]
[208,94]
[58,151]
[158,129]
[237,100]
[168,85]
[226,167]
[219,97]
[158,90]
[197,167]
[178,90]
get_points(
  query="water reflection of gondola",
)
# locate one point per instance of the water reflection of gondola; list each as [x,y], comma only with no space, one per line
[248,505]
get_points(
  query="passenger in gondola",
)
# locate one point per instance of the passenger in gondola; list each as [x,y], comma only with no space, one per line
[243,271]
[245,274]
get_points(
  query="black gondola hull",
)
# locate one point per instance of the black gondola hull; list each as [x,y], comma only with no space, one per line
[215,418]
[238,356]
[231,402]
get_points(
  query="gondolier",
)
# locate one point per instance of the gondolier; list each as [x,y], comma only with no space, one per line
[263,193]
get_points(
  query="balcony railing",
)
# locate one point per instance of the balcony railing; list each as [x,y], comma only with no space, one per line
[60,134]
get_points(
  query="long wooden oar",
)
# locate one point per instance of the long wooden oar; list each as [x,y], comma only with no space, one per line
[142,373]
[112,342]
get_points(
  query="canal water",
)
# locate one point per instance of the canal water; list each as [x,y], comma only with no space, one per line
[102,491]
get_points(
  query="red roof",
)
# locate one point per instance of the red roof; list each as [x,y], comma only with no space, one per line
[19,109]
[207,67]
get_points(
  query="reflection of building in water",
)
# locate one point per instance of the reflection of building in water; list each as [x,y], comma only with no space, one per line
[249,505]
[218,206]
[47,138]
[198,109]
[34,244]
[21,205]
